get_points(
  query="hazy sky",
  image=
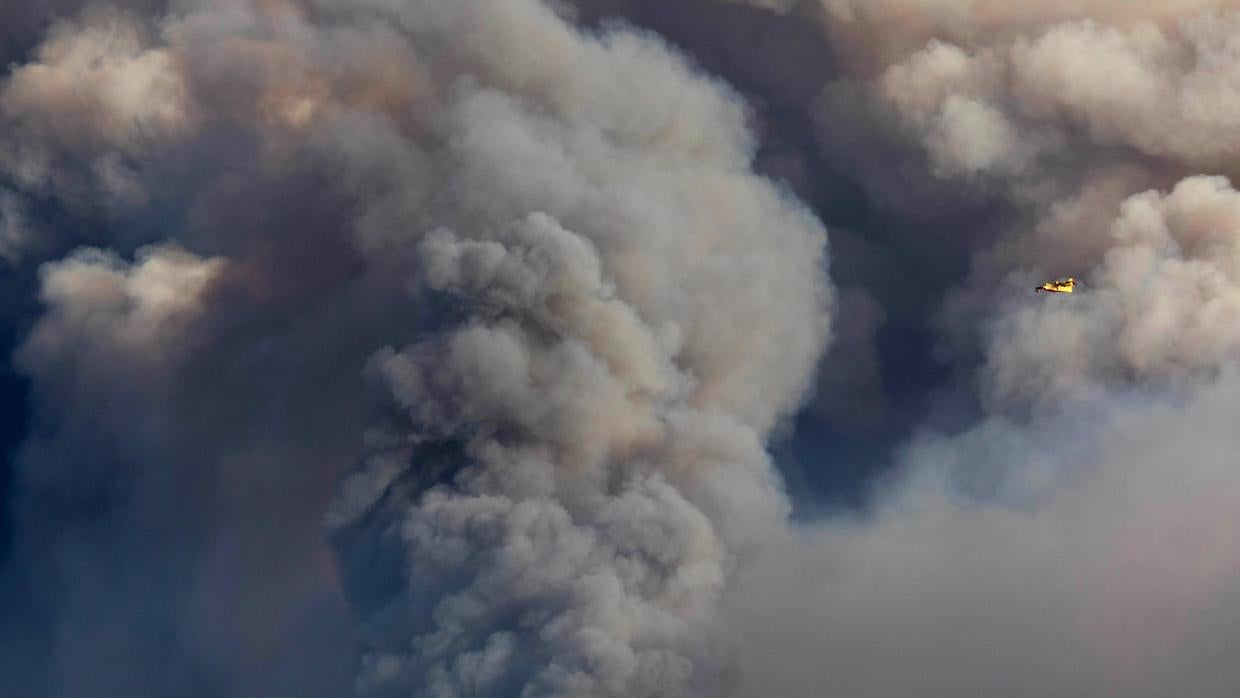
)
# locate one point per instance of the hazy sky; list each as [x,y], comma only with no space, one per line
[619,348]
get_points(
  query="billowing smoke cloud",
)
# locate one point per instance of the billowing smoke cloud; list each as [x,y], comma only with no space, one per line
[1091,552]
[1162,309]
[436,348]
[589,533]
[1079,539]
[93,96]
[606,399]
[594,315]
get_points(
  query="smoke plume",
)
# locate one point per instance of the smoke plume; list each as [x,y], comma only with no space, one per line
[578,312]
[483,348]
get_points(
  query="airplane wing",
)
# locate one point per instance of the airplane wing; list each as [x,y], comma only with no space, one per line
[1060,286]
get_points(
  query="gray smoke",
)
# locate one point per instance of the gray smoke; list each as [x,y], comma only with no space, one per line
[606,392]
[1091,552]
[1079,539]
[597,313]
[437,348]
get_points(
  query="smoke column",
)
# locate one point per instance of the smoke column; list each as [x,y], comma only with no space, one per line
[520,275]
[1073,531]
[495,348]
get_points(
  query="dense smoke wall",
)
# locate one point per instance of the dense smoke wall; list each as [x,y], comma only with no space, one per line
[486,348]
[1076,536]
[520,275]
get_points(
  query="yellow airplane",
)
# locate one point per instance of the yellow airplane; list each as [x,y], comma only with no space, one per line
[1060,286]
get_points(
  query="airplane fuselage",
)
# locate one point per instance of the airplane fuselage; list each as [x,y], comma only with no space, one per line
[1064,286]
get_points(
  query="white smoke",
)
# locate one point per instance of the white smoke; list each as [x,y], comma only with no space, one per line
[1079,540]
[1161,309]
[1086,553]
[95,95]
[544,252]
[599,316]
[598,506]
[608,400]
